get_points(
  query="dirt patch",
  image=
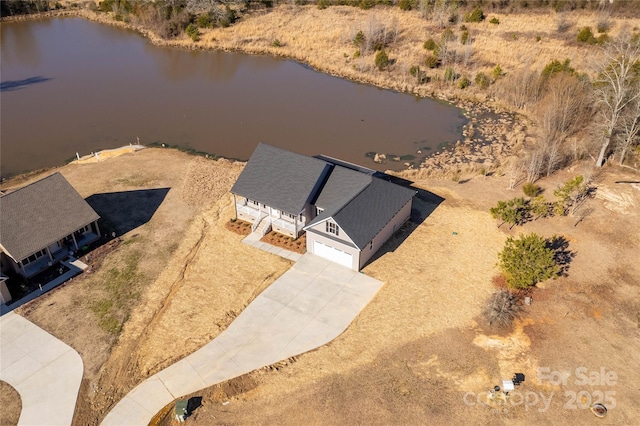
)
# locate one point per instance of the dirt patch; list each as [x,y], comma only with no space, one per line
[299,245]
[11,404]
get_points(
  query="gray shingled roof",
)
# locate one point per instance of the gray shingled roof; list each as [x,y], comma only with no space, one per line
[39,214]
[279,178]
[369,211]
[343,184]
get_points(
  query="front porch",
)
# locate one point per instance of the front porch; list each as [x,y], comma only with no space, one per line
[265,218]
[50,256]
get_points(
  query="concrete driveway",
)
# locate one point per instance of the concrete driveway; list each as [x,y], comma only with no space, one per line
[307,307]
[45,372]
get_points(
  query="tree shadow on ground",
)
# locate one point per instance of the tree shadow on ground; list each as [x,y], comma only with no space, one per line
[561,253]
[121,212]
[424,203]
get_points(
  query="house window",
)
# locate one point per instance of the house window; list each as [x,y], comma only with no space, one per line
[371,245]
[252,202]
[289,215]
[333,228]
[319,211]
[35,256]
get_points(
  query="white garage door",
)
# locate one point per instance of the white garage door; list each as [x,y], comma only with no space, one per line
[332,254]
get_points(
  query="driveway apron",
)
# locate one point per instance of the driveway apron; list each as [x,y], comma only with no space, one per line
[45,371]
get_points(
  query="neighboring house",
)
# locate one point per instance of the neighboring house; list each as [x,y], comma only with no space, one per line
[42,223]
[346,210]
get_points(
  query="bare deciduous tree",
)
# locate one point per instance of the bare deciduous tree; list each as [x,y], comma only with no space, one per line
[521,88]
[560,113]
[616,86]
[629,130]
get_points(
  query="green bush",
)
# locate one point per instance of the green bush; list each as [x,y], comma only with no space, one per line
[527,261]
[448,35]
[585,35]
[204,21]
[531,189]
[366,4]
[464,37]
[555,66]
[497,72]
[603,39]
[463,83]
[514,212]
[421,76]
[381,60]
[276,43]
[540,207]
[193,32]
[405,4]
[494,21]
[356,54]
[431,61]
[482,80]
[359,39]
[430,44]
[449,74]
[475,16]
[323,4]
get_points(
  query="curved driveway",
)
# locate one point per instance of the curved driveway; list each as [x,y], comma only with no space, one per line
[45,372]
[307,307]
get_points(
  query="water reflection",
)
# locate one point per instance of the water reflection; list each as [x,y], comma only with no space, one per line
[216,66]
[107,87]
[19,44]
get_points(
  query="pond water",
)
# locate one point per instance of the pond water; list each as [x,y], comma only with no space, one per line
[70,85]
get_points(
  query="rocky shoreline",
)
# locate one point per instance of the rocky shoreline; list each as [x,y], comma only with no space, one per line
[490,138]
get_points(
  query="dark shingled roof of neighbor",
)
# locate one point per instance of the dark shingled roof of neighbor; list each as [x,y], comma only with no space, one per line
[39,214]
[279,178]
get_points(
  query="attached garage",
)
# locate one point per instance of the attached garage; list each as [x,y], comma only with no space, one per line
[333,254]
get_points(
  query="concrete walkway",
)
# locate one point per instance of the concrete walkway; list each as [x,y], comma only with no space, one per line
[307,307]
[45,372]
[253,239]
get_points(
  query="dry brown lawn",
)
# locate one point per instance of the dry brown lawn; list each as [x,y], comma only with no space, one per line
[422,344]
[413,352]
[10,403]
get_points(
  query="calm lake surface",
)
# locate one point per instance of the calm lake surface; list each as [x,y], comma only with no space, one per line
[69,85]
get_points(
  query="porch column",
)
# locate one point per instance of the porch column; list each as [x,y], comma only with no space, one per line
[75,243]
[295,226]
[97,228]
[21,268]
[49,253]
[235,205]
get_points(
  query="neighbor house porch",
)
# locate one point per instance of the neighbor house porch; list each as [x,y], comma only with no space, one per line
[52,254]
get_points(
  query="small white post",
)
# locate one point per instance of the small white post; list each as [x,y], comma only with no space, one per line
[77,155]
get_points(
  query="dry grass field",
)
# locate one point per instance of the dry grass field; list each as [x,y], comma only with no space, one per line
[324,40]
[414,353]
